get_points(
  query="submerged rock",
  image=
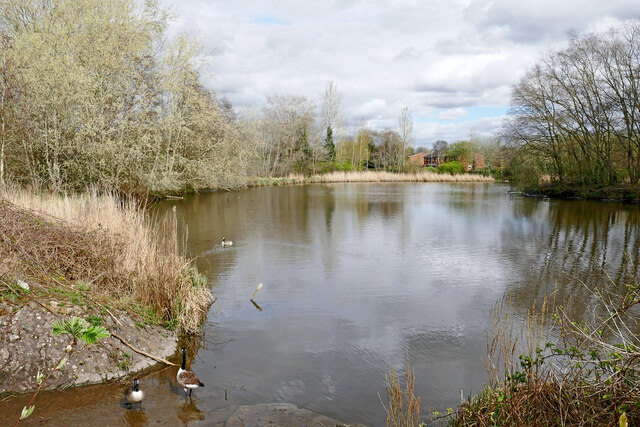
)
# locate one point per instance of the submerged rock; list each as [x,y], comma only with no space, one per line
[271,414]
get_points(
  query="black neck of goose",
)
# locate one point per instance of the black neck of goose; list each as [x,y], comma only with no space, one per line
[135,386]
[184,356]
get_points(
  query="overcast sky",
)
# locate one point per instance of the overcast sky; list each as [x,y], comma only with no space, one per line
[452,62]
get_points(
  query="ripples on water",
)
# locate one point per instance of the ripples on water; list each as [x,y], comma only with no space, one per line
[358,275]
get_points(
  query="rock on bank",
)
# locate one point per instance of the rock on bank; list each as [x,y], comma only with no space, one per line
[27,346]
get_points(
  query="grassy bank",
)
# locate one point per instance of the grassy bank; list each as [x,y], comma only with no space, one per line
[370,176]
[100,248]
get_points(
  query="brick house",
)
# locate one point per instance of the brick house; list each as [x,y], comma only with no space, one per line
[418,159]
[472,161]
[469,162]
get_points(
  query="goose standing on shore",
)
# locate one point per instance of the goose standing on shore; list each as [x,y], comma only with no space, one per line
[226,243]
[133,394]
[187,379]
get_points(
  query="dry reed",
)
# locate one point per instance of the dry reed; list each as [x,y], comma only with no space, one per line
[404,406]
[588,375]
[371,176]
[106,243]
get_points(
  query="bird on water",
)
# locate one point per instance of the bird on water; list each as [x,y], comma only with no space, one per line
[133,394]
[226,242]
[187,379]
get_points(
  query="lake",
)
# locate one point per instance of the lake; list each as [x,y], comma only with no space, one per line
[358,278]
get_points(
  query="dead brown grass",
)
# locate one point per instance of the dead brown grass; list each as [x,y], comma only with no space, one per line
[590,375]
[370,176]
[403,406]
[380,176]
[107,244]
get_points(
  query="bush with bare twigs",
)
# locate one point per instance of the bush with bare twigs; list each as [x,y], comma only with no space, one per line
[588,375]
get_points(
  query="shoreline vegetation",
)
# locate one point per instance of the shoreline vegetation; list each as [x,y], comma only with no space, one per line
[621,192]
[103,247]
[573,128]
[550,365]
[562,368]
[367,176]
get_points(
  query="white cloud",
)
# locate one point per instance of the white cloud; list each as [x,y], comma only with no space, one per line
[452,114]
[382,55]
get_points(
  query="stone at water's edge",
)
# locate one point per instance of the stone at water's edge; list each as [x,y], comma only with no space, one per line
[27,346]
[272,415]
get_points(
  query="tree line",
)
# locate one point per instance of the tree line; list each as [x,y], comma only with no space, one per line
[91,94]
[298,136]
[575,115]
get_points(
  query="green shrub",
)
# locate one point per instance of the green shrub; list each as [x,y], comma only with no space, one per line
[450,167]
[328,167]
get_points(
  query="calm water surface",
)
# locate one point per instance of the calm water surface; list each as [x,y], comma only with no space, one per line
[357,276]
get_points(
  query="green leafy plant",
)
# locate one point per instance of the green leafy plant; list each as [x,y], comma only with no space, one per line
[79,329]
[95,320]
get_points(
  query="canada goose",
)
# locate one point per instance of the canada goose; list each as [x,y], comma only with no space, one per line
[133,394]
[225,243]
[187,379]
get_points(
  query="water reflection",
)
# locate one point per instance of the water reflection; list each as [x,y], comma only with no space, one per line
[135,418]
[575,246]
[357,275]
[189,412]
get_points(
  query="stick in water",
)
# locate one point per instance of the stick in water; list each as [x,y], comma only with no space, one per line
[256,291]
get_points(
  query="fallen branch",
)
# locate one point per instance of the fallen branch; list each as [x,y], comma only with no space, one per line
[159,359]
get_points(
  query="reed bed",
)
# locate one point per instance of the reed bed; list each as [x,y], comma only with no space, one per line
[370,176]
[105,243]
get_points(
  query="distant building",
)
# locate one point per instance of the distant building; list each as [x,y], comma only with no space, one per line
[472,161]
[418,159]
[432,160]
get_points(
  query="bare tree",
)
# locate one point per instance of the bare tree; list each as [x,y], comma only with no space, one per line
[331,120]
[288,132]
[405,131]
[439,148]
[577,111]
[330,110]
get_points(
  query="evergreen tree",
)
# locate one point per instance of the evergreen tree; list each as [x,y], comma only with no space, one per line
[303,150]
[330,146]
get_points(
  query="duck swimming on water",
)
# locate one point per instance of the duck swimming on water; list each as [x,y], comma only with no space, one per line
[133,394]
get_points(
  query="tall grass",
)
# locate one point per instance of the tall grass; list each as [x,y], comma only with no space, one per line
[371,176]
[403,406]
[107,243]
[553,370]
